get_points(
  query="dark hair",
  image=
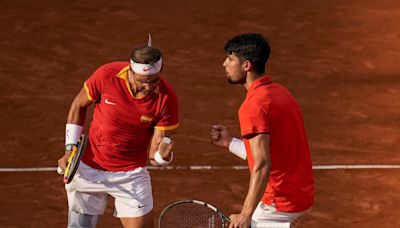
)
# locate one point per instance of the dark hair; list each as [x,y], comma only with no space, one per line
[146,55]
[252,47]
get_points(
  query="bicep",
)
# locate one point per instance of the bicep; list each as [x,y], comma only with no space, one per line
[259,145]
[82,99]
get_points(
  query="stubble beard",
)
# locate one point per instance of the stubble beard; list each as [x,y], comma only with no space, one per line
[240,81]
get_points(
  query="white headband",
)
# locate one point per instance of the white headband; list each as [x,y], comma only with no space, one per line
[146,69]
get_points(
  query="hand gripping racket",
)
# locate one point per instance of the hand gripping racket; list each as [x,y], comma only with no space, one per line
[193,214]
[74,159]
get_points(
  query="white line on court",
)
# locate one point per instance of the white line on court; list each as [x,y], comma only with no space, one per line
[209,167]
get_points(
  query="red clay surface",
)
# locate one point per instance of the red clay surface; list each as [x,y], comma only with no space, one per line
[340,59]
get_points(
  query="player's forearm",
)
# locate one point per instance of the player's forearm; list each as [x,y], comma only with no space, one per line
[164,155]
[75,120]
[258,184]
[158,135]
[160,153]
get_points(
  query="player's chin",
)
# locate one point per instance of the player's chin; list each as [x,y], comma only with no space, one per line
[231,81]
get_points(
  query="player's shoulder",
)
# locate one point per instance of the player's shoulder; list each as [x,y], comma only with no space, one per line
[166,88]
[257,99]
[113,67]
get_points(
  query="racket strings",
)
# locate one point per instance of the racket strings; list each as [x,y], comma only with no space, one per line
[190,215]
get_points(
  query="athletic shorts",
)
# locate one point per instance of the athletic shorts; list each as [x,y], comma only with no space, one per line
[267,216]
[87,192]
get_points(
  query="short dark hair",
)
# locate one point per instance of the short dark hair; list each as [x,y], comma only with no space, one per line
[146,55]
[252,47]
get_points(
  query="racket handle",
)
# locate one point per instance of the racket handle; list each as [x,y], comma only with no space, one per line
[60,171]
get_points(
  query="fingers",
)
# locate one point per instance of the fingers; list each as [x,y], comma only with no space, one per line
[218,127]
[165,146]
[62,164]
[165,140]
[215,134]
[169,147]
[216,131]
[232,218]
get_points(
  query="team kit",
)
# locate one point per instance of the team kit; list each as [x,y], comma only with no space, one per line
[135,116]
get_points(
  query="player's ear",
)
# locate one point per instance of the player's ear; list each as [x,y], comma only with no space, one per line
[247,65]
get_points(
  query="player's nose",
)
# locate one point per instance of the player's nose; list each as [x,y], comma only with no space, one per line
[224,63]
[146,86]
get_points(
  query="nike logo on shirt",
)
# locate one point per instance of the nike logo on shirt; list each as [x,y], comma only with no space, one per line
[109,102]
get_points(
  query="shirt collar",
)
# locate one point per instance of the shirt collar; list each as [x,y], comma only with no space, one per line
[260,81]
[124,75]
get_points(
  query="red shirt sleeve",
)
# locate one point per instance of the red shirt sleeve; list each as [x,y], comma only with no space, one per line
[94,84]
[169,113]
[253,119]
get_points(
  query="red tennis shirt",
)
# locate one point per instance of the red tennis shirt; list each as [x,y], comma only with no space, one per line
[270,108]
[123,125]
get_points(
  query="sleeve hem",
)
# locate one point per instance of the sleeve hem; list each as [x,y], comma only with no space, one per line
[87,92]
[165,128]
[255,131]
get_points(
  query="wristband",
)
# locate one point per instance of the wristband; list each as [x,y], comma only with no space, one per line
[160,160]
[72,133]
[237,148]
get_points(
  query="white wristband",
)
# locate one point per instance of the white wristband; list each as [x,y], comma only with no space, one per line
[72,133]
[160,160]
[237,148]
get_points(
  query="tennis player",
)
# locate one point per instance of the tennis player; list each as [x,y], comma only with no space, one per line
[134,109]
[274,139]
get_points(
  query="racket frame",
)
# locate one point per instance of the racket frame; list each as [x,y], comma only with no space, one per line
[78,150]
[223,217]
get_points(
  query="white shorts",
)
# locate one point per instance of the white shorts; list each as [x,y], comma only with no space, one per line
[267,216]
[87,192]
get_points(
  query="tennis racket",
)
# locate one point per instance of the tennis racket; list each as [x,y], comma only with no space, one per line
[74,159]
[193,214]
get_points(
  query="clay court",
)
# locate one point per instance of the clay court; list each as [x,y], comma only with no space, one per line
[340,59]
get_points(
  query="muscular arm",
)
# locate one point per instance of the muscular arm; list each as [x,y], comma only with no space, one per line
[76,115]
[259,145]
[77,112]
[155,142]
[258,181]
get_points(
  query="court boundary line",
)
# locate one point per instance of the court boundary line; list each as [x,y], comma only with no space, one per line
[210,167]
